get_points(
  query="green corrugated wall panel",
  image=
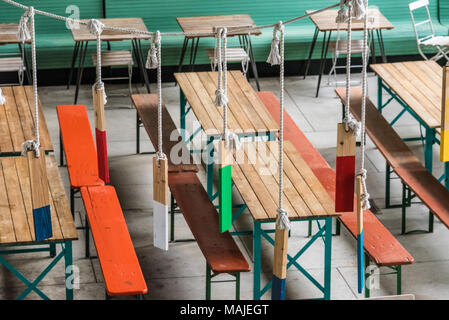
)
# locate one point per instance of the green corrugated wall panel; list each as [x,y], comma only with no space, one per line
[55,42]
[444,11]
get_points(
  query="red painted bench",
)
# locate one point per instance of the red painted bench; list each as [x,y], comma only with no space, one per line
[77,143]
[413,174]
[219,249]
[379,244]
[118,260]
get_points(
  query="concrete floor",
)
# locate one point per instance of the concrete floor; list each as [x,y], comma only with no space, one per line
[180,272]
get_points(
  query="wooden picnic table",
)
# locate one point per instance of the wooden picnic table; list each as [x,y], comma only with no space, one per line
[246,113]
[417,87]
[206,24]
[255,173]
[325,23]
[82,36]
[16,220]
[17,121]
[9,34]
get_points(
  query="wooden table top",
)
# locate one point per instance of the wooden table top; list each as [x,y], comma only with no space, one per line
[419,84]
[83,34]
[255,173]
[206,24]
[17,120]
[16,213]
[325,21]
[8,33]
[246,112]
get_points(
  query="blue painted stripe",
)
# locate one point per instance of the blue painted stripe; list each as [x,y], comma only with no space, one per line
[360,265]
[278,289]
[42,223]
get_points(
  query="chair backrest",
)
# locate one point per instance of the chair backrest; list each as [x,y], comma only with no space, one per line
[420,24]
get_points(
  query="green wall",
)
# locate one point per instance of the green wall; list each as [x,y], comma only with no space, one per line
[55,42]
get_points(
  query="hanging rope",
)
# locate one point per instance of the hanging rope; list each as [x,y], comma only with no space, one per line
[160,153]
[23,33]
[362,173]
[282,221]
[33,145]
[221,99]
[350,122]
[96,27]
[274,58]
[152,60]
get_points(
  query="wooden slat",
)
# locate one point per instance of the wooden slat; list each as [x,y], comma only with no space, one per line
[8,34]
[5,135]
[206,24]
[23,109]
[12,116]
[7,234]
[325,21]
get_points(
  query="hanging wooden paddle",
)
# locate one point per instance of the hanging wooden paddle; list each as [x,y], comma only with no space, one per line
[39,195]
[345,173]
[225,187]
[360,265]
[160,203]
[444,143]
[280,264]
[100,134]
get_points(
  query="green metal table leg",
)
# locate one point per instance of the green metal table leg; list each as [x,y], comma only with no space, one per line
[237,286]
[446,175]
[68,270]
[257,259]
[309,232]
[367,279]
[52,250]
[399,280]
[404,209]
[182,101]
[208,281]
[327,258]
[337,227]
[428,154]
[210,167]
[387,185]
[379,94]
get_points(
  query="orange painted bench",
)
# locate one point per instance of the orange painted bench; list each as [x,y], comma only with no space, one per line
[118,260]
[380,245]
[413,174]
[77,143]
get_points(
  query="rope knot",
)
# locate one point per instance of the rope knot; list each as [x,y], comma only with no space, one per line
[232,137]
[274,58]
[152,59]
[31,145]
[24,33]
[220,98]
[358,11]
[99,85]
[282,221]
[160,155]
[352,123]
[95,26]
[365,195]
[342,15]
[2,97]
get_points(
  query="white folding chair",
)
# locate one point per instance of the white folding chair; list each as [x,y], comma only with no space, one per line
[428,39]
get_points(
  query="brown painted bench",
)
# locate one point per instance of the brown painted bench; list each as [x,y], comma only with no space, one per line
[219,249]
[415,177]
[379,244]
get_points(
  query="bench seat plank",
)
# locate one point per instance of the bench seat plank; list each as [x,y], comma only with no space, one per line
[379,243]
[79,146]
[146,106]
[219,249]
[118,260]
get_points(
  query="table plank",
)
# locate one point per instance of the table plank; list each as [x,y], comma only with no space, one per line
[6,223]
[8,33]
[205,24]
[83,34]
[12,116]
[325,21]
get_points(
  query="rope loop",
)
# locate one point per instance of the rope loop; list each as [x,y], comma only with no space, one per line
[24,33]
[282,220]
[152,59]
[365,195]
[95,26]
[31,145]
[2,97]
[274,58]
[342,15]
[221,98]
[359,10]
[231,136]
[160,155]
[351,123]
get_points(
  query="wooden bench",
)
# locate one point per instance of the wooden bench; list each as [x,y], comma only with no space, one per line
[219,249]
[77,142]
[415,177]
[118,260]
[379,244]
